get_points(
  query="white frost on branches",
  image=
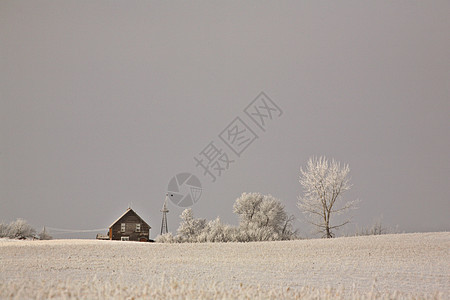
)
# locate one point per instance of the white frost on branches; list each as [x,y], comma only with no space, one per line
[262,218]
[190,228]
[165,238]
[323,184]
[43,235]
[18,229]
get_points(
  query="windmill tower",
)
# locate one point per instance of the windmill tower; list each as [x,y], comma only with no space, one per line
[164,211]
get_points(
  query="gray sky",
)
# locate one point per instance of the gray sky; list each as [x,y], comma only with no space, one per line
[103,102]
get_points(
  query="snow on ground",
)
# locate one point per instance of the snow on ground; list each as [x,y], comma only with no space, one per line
[388,266]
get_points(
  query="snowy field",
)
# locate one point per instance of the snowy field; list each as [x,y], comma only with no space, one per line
[401,266]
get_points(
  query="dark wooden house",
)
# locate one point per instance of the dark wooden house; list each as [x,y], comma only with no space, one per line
[129,227]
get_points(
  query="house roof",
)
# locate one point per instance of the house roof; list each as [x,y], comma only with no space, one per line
[126,212]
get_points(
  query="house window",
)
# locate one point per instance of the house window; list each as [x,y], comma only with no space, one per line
[138,227]
[125,238]
[122,227]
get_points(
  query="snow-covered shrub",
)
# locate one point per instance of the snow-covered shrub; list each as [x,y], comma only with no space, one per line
[262,218]
[165,238]
[43,235]
[20,229]
[217,232]
[4,230]
[190,228]
[254,233]
[376,229]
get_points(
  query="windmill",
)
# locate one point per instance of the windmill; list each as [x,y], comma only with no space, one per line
[164,211]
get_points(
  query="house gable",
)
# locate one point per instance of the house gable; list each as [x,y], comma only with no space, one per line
[129,226]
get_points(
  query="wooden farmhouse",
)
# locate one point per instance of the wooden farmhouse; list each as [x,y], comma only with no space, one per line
[129,227]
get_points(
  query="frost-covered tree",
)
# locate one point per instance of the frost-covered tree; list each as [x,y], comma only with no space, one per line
[254,233]
[323,184]
[165,238]
[43,235]
[262,218]
[190,228]
[287,232]
[20,229]
[217,232]
[4,230]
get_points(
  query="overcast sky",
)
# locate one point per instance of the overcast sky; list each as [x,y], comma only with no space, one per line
[103,102]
